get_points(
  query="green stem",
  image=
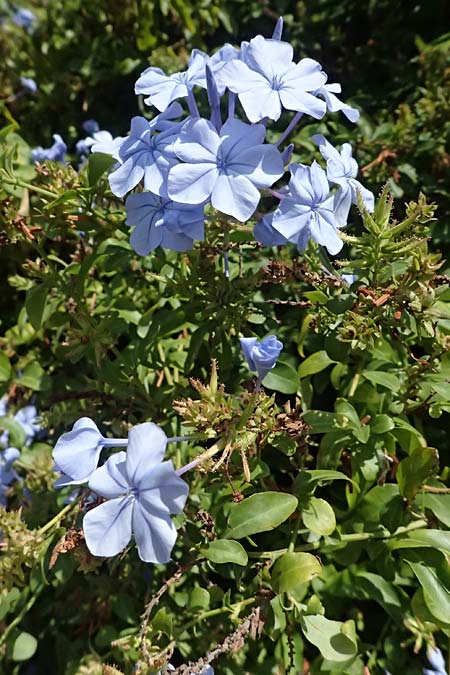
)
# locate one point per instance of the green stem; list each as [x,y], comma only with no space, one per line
[25,609]
[16,182]
[214,612]
[59,516]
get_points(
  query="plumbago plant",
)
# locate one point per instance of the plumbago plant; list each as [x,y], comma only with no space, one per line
[180,516]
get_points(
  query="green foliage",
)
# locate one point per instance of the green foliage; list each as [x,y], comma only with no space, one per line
[319,513]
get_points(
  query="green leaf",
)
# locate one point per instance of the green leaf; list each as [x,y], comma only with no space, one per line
[439,505]
[414,470]
[35,302]
[225,551]
[387,380]
[282,378]
[381,424]
[318,516]
[199,598]
[259,513]
[433,572]
[437,539]
[314,364]
[375,587]
[17,436]
[98,164]
[293,570]
[5,368]
[32,376]
[323,476]
[322,422]
[335,640]
[24,647]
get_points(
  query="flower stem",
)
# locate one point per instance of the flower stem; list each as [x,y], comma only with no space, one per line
[59,516]
[295,120]
[192,104]
[214,449]
[16,182]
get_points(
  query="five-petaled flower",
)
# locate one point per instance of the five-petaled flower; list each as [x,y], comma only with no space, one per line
[307,211]
[55,153]
[342,170]
[159,221]
[77,452]
[229,167]
[261,356]
[266,79]
[141,492]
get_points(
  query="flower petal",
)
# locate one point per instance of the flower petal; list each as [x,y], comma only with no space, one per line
[192,183]
[146,448]
[110,480]
[155,535]
[161,490]
[77,452]
[107,528]
[235,196]
[198,142]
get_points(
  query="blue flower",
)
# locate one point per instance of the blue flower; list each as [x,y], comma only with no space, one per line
[27,417]
[342,170]
[266,79]
[105,142]
[307,211]
[266,234]
[77,452]
[161,89]
[55,153]
[90,127]
[159,221]
[25,18]
[145,154]
[261,356]
[328,91]
[29,84]
[228,167]
[436,661]
[141,492]
[7,473]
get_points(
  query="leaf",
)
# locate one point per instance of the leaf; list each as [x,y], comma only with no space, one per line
[293,570]
[382,378]
[381,424]
[374,586]
[225,551]
[282,378]
[323,476]
[97,165]
[321,422]
[414,470]
[5,368]
[437,539]
[433,572]
[335,640]
[17,436]
[318,516]
[32,376]
[314,364]
[24,647]
[35,302]
[439,505]
[260,513]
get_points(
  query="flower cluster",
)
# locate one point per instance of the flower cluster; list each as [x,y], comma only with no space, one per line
[26,418]
[187,163]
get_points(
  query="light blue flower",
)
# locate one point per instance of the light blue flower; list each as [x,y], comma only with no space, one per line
[27,418]
[159,221]
[261,356]
[29,85]
[266,79]
[7,473]
[105,142]
[77,452]
[90,127]
[348,278]
[25,18]
[266,234]
[54,153]
[329,91]
[145,154]
[141,492]
[342,170]
[161,89]
[436,661]
[229,167]
[307,211]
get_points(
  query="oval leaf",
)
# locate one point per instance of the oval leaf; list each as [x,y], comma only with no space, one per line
[294,569]
[226,551]
[318,516]
[260,513]
[24,647]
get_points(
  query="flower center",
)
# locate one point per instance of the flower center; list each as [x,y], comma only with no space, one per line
[277,82]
